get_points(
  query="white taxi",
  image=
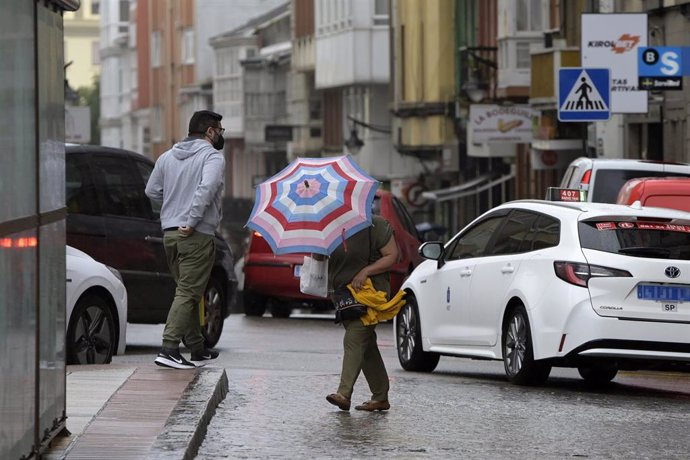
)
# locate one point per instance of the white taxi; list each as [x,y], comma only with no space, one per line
[537,284]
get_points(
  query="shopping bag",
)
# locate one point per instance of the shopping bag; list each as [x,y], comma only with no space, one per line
[313,278]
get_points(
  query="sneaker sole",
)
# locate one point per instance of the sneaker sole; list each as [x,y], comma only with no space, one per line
[164,362]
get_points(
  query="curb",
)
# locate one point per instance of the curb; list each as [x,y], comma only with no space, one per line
[185,429]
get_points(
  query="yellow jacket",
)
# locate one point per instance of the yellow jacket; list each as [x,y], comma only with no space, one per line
[378,308]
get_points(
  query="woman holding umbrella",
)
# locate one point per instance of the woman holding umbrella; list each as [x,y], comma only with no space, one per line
[323,206]
[368,254]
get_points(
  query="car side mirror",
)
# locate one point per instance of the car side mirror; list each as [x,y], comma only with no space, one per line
[432,250]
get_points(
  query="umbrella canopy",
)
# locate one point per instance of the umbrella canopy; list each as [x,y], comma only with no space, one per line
[313,205]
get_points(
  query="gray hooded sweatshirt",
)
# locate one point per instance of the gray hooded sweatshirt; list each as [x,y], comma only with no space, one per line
[188,180]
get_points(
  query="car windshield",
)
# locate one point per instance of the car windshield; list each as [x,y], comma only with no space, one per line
[657,240]
[609,182]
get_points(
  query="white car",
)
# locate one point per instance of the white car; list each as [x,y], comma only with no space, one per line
[602,178]
[537,284]
[96,310]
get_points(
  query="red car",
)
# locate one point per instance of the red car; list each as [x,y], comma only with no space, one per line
[661,192]
[272,281]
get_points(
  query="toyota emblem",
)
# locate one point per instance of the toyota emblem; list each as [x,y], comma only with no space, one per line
[672,272]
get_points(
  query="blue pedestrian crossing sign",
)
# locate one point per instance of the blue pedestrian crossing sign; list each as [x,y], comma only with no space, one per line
[584,94]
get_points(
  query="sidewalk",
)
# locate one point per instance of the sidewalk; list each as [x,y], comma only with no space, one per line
[136,412]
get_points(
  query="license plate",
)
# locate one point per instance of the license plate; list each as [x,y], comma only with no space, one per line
[663,293]
[298,270]
[669,307]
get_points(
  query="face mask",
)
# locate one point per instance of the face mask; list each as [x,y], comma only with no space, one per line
[219,143]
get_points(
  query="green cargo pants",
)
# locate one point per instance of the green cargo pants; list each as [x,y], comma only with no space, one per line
[362,354]
[190,260]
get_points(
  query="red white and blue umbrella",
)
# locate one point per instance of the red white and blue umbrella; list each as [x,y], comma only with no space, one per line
[313,205]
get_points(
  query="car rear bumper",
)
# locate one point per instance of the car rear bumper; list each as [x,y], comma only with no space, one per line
[588,336]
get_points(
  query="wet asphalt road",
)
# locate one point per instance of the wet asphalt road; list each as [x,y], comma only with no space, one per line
[280,371]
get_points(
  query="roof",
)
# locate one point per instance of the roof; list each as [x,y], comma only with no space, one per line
[252,24]
[593,210]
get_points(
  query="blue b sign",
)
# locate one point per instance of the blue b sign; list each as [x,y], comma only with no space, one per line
[584,94]
[660,68]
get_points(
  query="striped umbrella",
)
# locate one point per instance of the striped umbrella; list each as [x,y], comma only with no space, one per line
[313,205]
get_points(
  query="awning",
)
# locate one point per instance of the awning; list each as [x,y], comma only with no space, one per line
[469,188]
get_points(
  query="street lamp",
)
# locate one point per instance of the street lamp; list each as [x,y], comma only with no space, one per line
[474,88]
[353,143]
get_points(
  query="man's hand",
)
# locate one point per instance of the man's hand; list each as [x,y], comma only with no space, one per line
[185,230]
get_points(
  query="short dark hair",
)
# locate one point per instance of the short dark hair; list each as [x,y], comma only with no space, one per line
[202,120]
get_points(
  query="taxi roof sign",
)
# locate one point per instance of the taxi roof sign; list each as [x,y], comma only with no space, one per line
[566,194]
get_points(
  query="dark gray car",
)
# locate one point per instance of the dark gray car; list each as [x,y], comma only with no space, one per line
[111,219]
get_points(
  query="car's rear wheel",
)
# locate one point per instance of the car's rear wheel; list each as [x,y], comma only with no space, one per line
[91,335]
[214,299]
[408,339]
[254,304]
[518,354]
[598,374]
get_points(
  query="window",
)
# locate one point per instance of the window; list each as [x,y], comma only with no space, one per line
[156,124]
[529,15]
[517,226]
[524,60]
[156,48]
[381,12]
[124,10]
[145,170]
[473,242]
[546,233]
[188,46]
[120,189]
[95,7]
[80,195]
[635,239]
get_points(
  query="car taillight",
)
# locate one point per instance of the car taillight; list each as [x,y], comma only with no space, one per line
[579,274]
[586,177]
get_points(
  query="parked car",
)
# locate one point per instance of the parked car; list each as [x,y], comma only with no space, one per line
[602,178]
[662,192]
[272,281]
[110,218]
[599,287]
[96,310]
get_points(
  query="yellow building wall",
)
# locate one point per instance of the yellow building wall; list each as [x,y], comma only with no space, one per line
[81,38]
[428,65]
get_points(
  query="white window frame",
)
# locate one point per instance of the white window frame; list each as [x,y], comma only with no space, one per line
[531,23]
[156,51]
[381,18]
[187,46]
[156,124]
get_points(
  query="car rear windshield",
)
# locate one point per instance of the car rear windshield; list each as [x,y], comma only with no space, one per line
[608,182]
[657,240]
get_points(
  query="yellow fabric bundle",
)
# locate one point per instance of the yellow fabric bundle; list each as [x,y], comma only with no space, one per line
[378,308]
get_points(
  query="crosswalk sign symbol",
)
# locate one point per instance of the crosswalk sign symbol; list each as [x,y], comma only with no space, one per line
[584,94]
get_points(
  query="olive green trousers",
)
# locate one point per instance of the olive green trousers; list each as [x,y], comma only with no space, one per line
[190,260]
[362,354]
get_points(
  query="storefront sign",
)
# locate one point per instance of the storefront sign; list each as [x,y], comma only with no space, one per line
[612,41]
[497,123]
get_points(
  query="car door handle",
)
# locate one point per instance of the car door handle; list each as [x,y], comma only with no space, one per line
[153,239]
[507,269]
[465,272]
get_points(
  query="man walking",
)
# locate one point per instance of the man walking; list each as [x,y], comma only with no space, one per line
[188,181]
